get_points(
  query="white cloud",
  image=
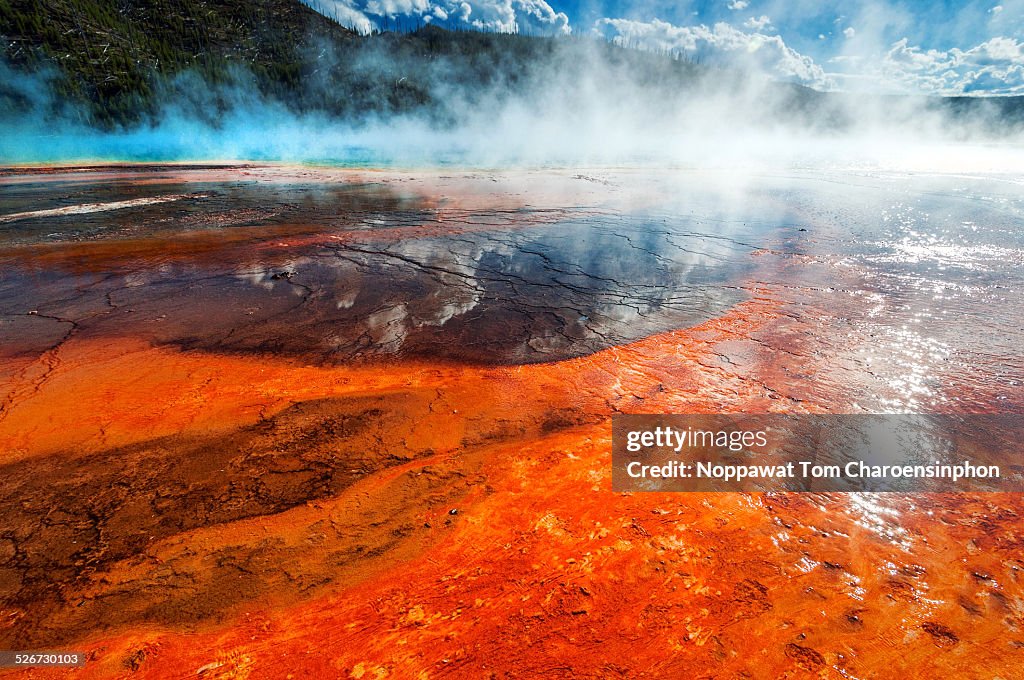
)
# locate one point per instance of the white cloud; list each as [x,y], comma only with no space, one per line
[539,12]
[344,13]
[507,16]
[996,50]
[995,66]
[722,42]
[390,8]
[759,24]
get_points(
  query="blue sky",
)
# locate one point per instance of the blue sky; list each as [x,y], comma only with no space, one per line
[907,46]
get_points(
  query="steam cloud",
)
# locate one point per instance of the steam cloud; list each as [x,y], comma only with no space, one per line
[572,101]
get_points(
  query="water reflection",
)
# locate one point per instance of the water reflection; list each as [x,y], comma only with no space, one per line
[535,294]
[314,275]
[879,514]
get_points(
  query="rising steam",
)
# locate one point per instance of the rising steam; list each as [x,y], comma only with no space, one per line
[568,101]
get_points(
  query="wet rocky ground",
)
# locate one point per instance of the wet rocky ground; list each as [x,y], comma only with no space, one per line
[266,420]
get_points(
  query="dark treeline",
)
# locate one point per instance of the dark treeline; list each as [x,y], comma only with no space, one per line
[111,59]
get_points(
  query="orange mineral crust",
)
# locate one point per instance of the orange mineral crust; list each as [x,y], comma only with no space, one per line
[339,429]
[93,396]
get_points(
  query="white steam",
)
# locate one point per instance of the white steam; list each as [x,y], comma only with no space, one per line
[579,103]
